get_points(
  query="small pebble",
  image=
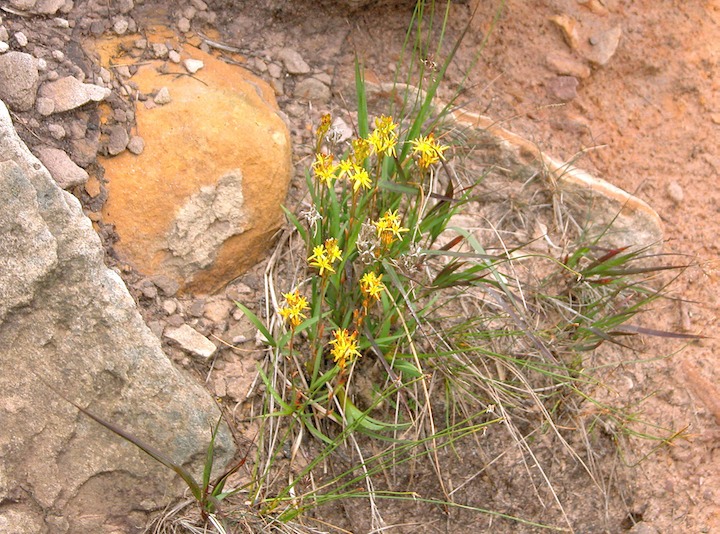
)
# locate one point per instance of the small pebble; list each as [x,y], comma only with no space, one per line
[274,70]
[58,55]
[175,320]
[4,47]
[57,131]
[193,65]
[44,106]
[196,308]
[61,23]
[162,97]
[150,291]
[170,306]
[136,145]
[184,25]
[21,39]
[121,26]
[160,50]
[675,192]
[174,56]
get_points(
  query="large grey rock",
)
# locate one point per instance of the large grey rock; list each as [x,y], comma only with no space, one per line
[68,321]
[18,80]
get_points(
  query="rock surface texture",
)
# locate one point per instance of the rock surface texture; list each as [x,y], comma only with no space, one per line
[202,201]
[68,322]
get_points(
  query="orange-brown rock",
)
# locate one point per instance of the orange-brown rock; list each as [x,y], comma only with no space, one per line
[202,201]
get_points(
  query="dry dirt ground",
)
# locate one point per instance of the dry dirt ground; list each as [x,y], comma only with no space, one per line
[648,120]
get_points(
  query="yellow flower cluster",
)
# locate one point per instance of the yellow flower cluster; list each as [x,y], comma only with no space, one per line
[325,255]
[371,285]
[324,169]
[293,312]
[384,138]
[344,347]
[325,123]
[388,228]
[428,150]
[361,150]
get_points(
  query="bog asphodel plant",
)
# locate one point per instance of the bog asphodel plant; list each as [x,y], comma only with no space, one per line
[375,212]
[368,221]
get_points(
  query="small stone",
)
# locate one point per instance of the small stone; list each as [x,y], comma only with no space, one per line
[274,70]
[118,140]
[184,25]
[675,192]
[563,88]
[200,5]
[48,7]
[260,65]
[123,70]
[190,340]
[217,310]
[19,79]
[567,65]
[70,93]
[125,6]
[63,170]
[58,55]
[136,145]
[189,12]
[97,28]
[569,28]
[140,44]
[4,35]
[313,90]
[293,61]
[52,76]
[57,131]
[93,187]
[196,308]
[4,47]
[175,320]
[166,284]
[174,56]
[170,306]
[61,23]
[84,151]
[149,291]
[121,26]
[160,50]
[193,65]
[21,39]
[237,292]
[162,97]
[604,46]
[41,64]
[44,106]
